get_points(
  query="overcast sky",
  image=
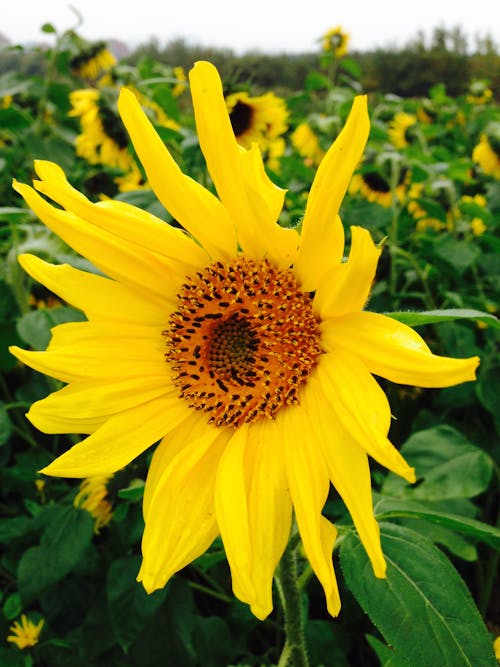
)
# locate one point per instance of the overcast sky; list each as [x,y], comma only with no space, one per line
[265,25]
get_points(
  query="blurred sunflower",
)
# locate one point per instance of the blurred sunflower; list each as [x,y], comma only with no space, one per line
[400,129]
[374,187]
[479,93]
[261,119]
[25,633]
[306,141]
[487,152]
[92,61]
[92,497]
[335,41]
[241,345]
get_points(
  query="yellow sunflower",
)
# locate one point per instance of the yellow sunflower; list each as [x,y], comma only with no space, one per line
[92,497]
[376,188]
[399,129]
[306,141]
[25,633]
[487,152]
[335,41]
[261,119]
[93,61]
[239,345]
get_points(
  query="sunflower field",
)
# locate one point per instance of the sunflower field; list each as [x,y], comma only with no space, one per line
[227,439]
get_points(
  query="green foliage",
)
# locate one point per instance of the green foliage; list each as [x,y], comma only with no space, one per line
[438,272]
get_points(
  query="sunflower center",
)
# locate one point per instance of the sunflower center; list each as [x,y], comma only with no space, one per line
[243,341]
[241,118]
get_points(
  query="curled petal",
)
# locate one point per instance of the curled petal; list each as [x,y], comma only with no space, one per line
[394,351]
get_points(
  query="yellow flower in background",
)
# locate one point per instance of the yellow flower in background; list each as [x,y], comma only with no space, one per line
[487,152]
[306,142]
[479,93]
[93,61]
[92,497]
[375,188]
[240,345]
[335,41]
[261,119]
[25,633]
[181,81]
[399,129]
[477,226]
[496,648]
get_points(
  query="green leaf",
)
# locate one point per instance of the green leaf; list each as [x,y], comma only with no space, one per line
[388,508]
[423,609]
[64,542]
[434,316]
[34,327]
[5,425]
[134,491]
[446,463]
[458,254]
[12,606]
[130,606]
[387,656]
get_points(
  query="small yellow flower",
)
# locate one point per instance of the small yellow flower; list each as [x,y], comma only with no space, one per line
[399,129]
[479,93]
[25,633]
[181,81]
[241,347]
[496,648]
[335,41]
[487,156]
[478,227]
[375,188]
[92,497]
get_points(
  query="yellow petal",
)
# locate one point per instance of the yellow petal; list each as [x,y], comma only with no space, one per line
[91,400]
[196,209]
[121,438]
[92,350]
[180,522]
[110,300]
[395,351]
[348,469]
[247,194]
[128,222]
[269,510]
[231,509]
[322,238]
[346,288]
[118,258]
[309,484]
[362,408]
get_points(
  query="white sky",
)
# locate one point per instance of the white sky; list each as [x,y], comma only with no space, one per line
[290,26]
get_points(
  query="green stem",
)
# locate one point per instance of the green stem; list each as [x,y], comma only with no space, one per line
[294,652]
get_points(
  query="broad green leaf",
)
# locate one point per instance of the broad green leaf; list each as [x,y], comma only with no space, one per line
[12,606]
[423,609]
[446,463]
[387,655]
[448,315]
[64,542]
[5,425]
[129,604]
[388,508]
[34,327]
[458,254]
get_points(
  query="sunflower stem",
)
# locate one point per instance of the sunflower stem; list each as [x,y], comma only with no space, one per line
[294,652]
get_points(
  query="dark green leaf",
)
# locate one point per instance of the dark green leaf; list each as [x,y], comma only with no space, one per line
[130,606]
[64,542]
[5,425]
[12,606]
[388,508]
[34,327]
[423,609]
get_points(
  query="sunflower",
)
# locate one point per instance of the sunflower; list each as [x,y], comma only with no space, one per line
[306,141]
[25,633]
[374,187]
[92,497]
[241,346]
[487,152]
[93,61]
[400,129]
[261,119]
[335,41]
